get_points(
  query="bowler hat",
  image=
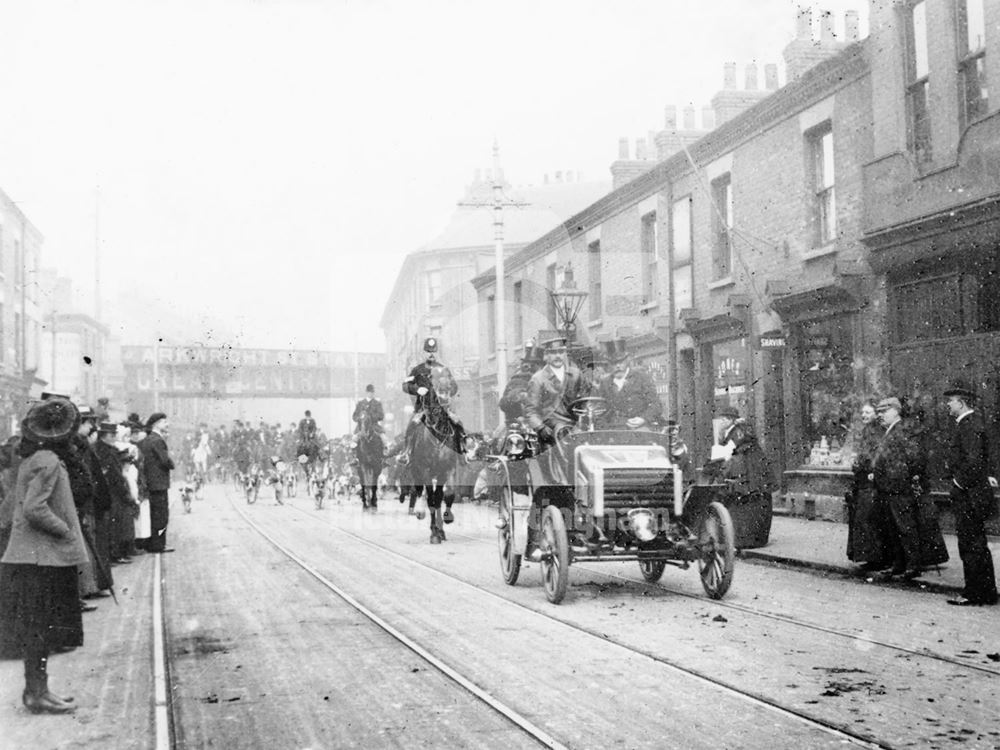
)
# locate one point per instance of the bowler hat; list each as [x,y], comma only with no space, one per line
[370,388]
[959,387]
[430,344]
[729,411]
[46,395]
[616,349]
[153,419]
[51,420]
[889,403]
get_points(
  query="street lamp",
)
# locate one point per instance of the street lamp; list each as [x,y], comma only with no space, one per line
[568,300]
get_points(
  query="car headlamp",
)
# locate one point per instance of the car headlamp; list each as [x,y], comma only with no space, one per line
[515,444]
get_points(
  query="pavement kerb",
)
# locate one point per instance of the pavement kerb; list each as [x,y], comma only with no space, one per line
[752,555]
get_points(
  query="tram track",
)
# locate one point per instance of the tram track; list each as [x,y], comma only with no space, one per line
[841,732]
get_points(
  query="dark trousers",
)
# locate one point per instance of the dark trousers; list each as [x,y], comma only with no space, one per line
[159,514]
[971,509]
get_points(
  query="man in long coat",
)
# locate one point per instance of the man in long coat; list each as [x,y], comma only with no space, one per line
[369,407]
[894,465]
[158,465]
[971,496]
[629,392]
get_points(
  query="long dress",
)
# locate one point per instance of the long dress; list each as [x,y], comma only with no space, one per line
[869,529]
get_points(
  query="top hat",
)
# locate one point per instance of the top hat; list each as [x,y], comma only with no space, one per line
[533,353]
[729,411]
[616,349]
[430,345]
[51,420]
[369,388]
[86,412]
[153,419]
[959,387]
[107,428]
[556,342]
[890,402]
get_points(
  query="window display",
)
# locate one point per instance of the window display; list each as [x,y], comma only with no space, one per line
[827,382]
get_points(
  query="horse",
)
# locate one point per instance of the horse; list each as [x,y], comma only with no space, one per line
[435,451]
[370,452]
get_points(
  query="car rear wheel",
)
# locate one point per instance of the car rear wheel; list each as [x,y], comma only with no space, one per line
[554,544]
[716,539]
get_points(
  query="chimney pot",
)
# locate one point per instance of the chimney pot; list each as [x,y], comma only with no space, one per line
[771,76]
[803,23]
[689,117]
[640,149]
[729,75]
[851,32]
[751,77]
[826,26]
[670,117]
[707,118]
[623,149]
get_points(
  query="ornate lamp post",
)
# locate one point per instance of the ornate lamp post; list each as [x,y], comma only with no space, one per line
[568,300]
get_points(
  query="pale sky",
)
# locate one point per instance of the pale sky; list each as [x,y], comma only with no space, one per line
[269,164]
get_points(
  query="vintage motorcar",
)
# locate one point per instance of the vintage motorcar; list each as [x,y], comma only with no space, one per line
[622,497]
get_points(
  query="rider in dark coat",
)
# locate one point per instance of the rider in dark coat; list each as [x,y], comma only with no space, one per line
[629,392]
[419,384]
[371,407]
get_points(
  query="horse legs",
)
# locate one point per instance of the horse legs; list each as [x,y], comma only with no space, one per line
[434,497]
[448,500]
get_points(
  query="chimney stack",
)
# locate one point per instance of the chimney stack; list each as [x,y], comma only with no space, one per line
[670,117]
[751,77]
[826,26]
[689,117]
[707,118]
[640,149]
[803,23]
[851,32]
[729,76]
[771,77]
[623,149]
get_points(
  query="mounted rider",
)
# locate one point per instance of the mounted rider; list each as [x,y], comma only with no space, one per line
[420,383]
[629,393]
[308,442]
[369,408]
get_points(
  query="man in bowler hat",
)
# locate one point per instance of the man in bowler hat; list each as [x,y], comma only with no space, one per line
[158,464]
[971,496]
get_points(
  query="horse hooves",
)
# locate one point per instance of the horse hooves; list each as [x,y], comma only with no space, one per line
[448,517]
[420,515]
[442,536]
[435,539]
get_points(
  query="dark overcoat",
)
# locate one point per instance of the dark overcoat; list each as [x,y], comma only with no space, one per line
[156,462]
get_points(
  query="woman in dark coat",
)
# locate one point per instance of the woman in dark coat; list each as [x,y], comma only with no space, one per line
[869,525]
[39,608]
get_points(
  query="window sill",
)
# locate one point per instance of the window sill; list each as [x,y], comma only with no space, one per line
[595,323]
[820,252]
[650,306]
[721,283]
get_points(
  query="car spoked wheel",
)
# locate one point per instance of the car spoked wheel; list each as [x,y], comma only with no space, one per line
[554,544]
[716,539]
[510,562]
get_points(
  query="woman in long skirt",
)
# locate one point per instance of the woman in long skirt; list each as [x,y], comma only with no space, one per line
[39,607]
[869,531]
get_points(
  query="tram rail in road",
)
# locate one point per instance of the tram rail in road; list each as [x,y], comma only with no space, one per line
[840,732]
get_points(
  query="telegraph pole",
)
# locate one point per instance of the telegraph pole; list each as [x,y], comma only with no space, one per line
[498,204]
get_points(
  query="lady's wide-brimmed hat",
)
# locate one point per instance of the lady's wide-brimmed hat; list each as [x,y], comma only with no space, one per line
[960,388]
[51,421]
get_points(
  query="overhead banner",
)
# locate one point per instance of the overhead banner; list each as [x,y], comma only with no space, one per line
[213,372]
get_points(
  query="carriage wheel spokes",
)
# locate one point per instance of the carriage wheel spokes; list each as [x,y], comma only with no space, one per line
[554,543]
[716,537]
[510,562]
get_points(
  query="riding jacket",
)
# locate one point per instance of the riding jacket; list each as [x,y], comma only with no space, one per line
[370,407]
[422,376]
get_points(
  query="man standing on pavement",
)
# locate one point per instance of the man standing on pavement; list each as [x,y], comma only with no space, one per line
[971,496]
[158,464]
[893,467]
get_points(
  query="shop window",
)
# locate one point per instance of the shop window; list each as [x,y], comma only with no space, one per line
[680,230]
[732,368]
[826,356]
[683,288]
[722,248]
[918,82]
[973,94]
